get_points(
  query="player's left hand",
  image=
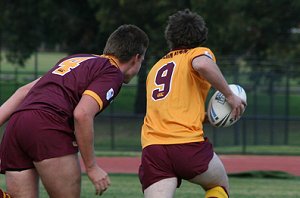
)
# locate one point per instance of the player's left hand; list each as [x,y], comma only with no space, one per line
[99,178]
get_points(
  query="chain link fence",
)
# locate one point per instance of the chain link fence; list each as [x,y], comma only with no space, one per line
[272,117]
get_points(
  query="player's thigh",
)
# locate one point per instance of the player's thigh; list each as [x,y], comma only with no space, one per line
[61,176]
[215,175]
[164,188]
[23,184]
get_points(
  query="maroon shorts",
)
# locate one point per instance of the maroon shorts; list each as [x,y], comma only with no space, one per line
[183,161]
[33,136]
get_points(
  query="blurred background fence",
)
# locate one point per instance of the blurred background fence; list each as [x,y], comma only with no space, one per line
[256,29]
[271,123]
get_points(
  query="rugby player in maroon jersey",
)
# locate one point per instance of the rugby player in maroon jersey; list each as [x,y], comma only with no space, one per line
[51,118]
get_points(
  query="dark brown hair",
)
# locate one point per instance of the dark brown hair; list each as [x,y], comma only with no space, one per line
[125,42]
[185,29]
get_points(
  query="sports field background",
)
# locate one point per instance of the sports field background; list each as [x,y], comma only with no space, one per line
[128,186]
[259,38]
[270,124]
[261,131]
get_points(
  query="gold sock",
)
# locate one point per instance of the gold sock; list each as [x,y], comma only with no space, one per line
[216,192]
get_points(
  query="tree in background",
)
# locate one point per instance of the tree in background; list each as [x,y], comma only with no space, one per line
[240,29]
[82,26]
[249,31]
[72,25]
[252,27]
[151,16]
[21,33]
[30,24]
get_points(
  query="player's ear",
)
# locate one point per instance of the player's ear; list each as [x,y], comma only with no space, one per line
[135,59]
[138,56]
[141,57]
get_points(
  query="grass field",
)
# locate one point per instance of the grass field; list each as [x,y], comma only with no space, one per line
[128,186]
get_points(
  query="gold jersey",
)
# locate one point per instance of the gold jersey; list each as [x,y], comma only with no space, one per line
[176,96]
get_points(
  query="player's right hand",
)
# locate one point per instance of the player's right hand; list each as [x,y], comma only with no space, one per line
[99,178]
[237,104]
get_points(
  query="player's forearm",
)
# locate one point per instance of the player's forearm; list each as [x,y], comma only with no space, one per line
[12,103]
[84,114]
[85,139]
[217,80]
[211,72]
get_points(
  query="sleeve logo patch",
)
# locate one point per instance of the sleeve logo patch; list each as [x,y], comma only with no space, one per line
[109,94]
[208,54]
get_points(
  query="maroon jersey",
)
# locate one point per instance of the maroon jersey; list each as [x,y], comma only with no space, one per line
[60,89]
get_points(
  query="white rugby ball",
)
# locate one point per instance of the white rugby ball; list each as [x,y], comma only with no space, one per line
[219,110]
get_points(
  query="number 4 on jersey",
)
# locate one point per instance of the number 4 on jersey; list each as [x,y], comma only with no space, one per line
[66,66]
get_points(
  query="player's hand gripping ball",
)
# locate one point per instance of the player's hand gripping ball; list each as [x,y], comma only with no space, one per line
[219,110]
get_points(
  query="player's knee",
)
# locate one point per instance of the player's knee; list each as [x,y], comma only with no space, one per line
[216,192]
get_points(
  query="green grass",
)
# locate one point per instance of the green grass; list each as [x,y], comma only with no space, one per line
[45,61]
[128,186]
[259,150]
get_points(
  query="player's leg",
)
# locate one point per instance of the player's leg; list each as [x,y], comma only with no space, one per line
[4,194]
[156,173]
[215,179]
[164,188]
[23,184]
[61,176]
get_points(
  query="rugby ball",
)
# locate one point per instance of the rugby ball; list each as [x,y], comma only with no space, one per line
[219,110]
